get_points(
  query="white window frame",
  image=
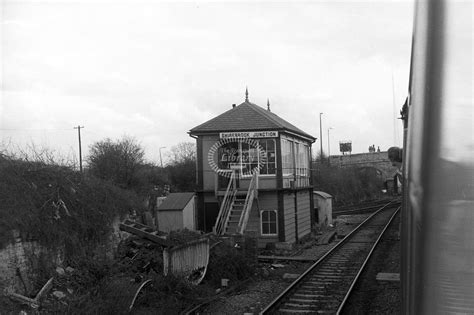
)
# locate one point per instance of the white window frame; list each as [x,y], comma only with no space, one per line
[241,163]
[274,151]
[261,223]
[287,143]
[295,161]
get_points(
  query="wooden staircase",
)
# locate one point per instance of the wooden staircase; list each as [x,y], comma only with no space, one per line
[235,214]
[235,208]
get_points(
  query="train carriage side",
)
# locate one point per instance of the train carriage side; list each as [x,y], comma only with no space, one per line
[438,216]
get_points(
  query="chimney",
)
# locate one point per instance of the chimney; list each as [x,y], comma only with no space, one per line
[233,105]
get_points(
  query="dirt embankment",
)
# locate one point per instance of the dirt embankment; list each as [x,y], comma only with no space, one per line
[49,215]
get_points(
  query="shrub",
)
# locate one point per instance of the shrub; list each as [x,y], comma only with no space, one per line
[226,262]
[57,207]
[347,185]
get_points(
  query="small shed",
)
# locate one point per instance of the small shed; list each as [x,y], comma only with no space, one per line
[323,207]
[176,212]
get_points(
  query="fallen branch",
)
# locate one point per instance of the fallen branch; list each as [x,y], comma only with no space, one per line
[36,302]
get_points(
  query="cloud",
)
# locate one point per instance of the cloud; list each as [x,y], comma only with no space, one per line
[156,70]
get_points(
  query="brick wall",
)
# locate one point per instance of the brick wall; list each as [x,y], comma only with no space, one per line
[378,160]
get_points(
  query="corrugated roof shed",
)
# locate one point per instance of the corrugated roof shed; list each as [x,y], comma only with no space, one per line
[247,116]
[322,194]
[176,201]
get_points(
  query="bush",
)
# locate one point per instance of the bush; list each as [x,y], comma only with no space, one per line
[348,185]
[226,262]
[117,161]
[57,207]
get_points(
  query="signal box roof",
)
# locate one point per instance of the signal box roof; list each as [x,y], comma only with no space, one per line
[246,117]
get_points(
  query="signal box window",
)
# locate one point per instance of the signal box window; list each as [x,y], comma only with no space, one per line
[269,165]
[269,222]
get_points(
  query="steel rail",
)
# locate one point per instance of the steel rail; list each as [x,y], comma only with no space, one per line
[363,208]
[359,210]
[356,278]
[371,203]
[295,283]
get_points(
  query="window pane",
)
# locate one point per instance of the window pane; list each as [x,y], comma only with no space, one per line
[271,145]
[273,228]
[272,216]
[265,228]
[271,156]
[269,222]
[287,156]
[227,154]
[271,168]
[253,154]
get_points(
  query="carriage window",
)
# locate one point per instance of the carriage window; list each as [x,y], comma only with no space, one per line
[457,137]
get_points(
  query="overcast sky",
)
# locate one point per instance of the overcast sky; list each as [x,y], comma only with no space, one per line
[155,70]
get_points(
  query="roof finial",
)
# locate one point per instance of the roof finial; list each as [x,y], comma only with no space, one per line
[246,94]
[268,105]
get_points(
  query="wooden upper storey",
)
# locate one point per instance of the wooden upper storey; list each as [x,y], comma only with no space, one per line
[248,138]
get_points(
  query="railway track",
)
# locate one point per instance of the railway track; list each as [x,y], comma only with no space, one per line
[326,285]
[361,208]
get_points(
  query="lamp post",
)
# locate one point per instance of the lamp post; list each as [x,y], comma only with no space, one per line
[329,148]
[161,161]
[321,136]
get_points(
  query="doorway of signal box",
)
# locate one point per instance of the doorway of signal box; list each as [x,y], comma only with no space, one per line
[211,211]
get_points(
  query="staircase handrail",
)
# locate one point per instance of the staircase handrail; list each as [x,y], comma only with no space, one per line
[226,205]
[251,193]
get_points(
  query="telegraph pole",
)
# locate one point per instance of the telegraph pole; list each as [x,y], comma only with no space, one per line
[321,136]
[329,148]
[80,149]
[161,161]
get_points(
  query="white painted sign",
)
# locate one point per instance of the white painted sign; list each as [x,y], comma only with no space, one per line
[249,134]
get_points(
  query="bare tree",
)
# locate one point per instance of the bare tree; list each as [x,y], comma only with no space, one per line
[117,161]
[182,169]
[183,152]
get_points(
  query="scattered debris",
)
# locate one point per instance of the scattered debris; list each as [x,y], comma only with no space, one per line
[326,238]
[224,282]
[36,302]
[123,291]
[277,265]
[183,252]
[33,303]
[59,295]
[382,276]
[288,258]
[146,232]
[290,276]
[284,245]
[60,271]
